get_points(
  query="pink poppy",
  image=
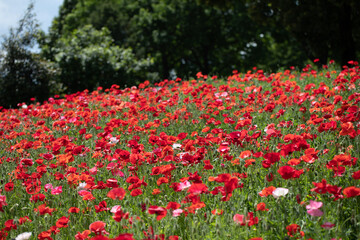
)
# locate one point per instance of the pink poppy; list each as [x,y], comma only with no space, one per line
[56,191]
[313,208]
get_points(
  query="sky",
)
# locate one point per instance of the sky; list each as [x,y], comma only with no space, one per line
[12,10]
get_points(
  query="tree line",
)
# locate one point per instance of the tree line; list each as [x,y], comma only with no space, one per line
[99,43]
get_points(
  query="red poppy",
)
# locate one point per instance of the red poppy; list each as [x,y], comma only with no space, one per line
[351,192]
[261,207]
[99,237]
[197,188]
[173,237]
[293,229]
[73,210]
[162,180]
[116,193]
[45,235]
[101,207]
[33,187]
[356,175]
[348,129]
[159,211]
[136,192]
[62,222]
[23,220]
[82,236]
[97,227]
[288,172]
[8,187]
[267,191]
[124,236]
[9,224]
[173,205]
[43,209]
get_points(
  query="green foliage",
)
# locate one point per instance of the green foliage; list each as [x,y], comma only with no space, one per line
[23,75]
[324,29]
[182,37]
[87,58]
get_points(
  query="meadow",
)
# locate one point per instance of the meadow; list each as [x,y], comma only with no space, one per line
[252,156]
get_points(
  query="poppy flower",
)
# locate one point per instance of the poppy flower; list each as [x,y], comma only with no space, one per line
[267,191]
[159,211]
[43,209]
[101,207]
[98,227]
[62,222]
[45,235]
[261,207]
[280,192]
[156,191]
[24,219]
[313,208]
[327,225]
[177,212]
[286,172]
[124,236]
[293,229]
[173,205]
[356,175]
[197,188]
[173,237]
[9,224]
[249,220]
[23,236]
[136,192]
[351,192]
[99,237]
[56,190]
[239,219]
[73,210]
[117,193]
[8,187]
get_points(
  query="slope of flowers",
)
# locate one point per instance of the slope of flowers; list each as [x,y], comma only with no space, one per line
[253,156]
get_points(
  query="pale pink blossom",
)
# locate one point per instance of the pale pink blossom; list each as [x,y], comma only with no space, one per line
[177,212]
[48,186]
[315,212]
[184,185]
[313,208]
[314,205]
[115,208]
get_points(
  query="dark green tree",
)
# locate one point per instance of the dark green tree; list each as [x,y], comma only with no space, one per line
[23,75]
[87,58]
[181,36]
[325,28]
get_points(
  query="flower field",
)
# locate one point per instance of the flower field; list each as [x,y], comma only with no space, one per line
[250,156]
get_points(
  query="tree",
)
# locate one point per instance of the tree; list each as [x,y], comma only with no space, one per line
[325,28]
[182,37]
[87,58]
[23,75]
